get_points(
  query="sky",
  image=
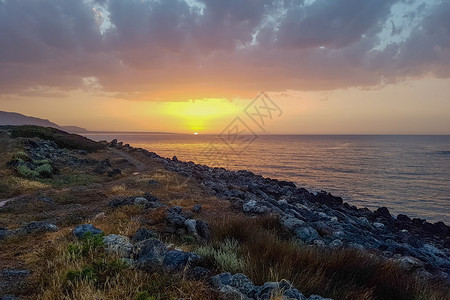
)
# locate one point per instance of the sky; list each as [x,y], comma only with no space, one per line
[330,66]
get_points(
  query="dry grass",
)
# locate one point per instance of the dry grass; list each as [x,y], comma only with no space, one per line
[339,274]
[63,273]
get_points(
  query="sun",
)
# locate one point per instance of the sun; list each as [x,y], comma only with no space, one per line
[195,133]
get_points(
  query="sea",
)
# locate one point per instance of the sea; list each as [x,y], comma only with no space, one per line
[409,174]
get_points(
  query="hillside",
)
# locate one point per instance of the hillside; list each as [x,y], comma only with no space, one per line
[86,220]
[12,118]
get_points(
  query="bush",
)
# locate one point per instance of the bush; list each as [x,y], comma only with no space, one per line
[44,171]
[226,256]
[61,138]
[86,274]
[26,172]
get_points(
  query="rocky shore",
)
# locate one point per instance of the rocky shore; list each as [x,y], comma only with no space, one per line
[324,220]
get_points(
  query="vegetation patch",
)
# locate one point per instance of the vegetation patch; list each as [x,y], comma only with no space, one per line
[61,138]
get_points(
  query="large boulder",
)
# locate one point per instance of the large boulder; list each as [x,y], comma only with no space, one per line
[81,230]
[149,254]
[178,260]
[118,244]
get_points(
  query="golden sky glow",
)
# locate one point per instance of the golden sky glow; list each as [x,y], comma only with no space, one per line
[190,66]
[393,109]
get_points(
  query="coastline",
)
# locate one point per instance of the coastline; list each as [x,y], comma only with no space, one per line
[310,216]
[181,201]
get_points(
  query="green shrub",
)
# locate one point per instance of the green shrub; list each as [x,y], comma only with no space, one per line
[44,171]
[39,162]
[226,256]
[26,172]
[21,155]
[88,243]
[86,274]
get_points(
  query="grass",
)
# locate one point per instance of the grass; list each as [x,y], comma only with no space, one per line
[61,138]
[225,255]
[58,274]
[269,255]
[13,185]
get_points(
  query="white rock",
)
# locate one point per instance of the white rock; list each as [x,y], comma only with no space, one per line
[118,244]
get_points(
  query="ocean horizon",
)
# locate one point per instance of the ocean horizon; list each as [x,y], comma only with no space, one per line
[409,174]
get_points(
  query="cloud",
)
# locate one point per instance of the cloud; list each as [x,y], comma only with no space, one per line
[181,49]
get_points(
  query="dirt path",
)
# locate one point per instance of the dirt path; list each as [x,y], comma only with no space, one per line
[138,164]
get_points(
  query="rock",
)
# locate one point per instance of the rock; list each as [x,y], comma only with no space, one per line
[221,279]
[3,234]
[150,197]
[316,297]
[82,152]
[118,244]
[268,289]
[81,230]
[249,206]
[291,223]
[253,206]
[178,260]
[319,243]
[153,182]
[337,243]
[45,199]
[140,201]
[323,229]
[202,228]
[383,212]
[100,215]
[306,234]
[191,226]
[40,227]
[149,254]
[143,234]
[231,293]
[243,284]
[175,159]
[378,225]
[9,297]
[114,172]
[197,208]
[283,203]
[409,262]
[175,218]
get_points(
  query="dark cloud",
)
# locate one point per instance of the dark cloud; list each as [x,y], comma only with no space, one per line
[216,48]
